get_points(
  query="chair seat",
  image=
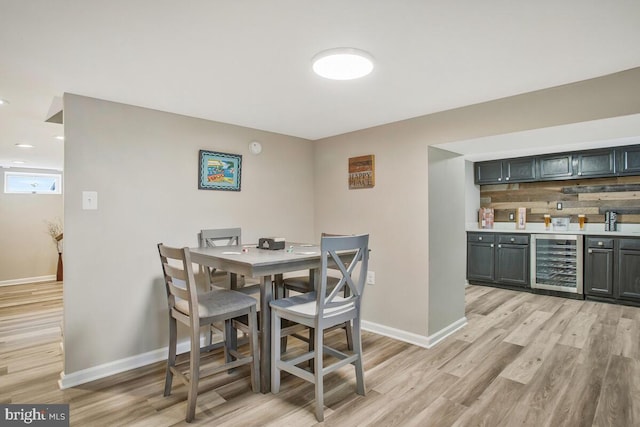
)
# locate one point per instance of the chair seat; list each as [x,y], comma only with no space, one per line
[217,302]
[305,305]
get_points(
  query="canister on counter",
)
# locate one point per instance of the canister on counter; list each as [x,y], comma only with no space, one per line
[610,221]
[521,218]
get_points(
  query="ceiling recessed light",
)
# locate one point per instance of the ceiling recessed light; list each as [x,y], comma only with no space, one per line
[3,102]
[18,162]
[344,63]
[59,137]
[24,145]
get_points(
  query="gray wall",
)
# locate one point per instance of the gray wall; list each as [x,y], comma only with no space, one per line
[447,241]
[144,166]
[135,158]
[397,211]
[28,250]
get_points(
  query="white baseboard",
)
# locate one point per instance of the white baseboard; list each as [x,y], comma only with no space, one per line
[128,363]
[38,279]
[410,337]
[117,366]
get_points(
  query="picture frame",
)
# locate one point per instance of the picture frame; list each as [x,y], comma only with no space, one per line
[219,171]
[362,172]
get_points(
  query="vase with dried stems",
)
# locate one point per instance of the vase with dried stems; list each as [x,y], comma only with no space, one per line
[54,228]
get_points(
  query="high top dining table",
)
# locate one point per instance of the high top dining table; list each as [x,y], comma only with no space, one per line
[268,265]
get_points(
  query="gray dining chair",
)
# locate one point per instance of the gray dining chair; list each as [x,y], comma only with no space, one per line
[196,310]
[304,284]
[321,310]
[209,238]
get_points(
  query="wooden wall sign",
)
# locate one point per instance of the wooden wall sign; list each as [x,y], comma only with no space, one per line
[362,173]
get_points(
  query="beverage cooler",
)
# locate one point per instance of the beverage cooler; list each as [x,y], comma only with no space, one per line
[556,262]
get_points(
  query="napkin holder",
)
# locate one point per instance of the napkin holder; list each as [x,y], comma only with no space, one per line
[271,243]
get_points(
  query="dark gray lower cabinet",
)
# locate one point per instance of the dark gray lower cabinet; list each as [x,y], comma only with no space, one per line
[480,257]
[498,258]
[612,268]
[628,270]
[512,260]
[598,267]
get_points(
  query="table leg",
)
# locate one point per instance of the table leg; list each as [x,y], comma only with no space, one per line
[232,282]
[266,295]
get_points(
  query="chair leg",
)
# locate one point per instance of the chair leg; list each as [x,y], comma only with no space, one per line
[311,347]
[230,340]
[318,377]
[253,348]
[275,351]
[194,374]
[171,358]
[357,343]
[349,331]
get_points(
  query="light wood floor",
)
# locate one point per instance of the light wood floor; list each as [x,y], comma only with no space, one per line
[523,359]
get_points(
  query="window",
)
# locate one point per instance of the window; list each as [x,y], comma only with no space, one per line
[34,183]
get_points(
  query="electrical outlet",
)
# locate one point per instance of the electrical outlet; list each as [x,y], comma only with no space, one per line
[511,216]
[371,278]
[559,206]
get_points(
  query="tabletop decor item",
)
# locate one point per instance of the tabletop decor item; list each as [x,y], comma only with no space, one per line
[485,218]
[219,171]
[521,218]
[362,172]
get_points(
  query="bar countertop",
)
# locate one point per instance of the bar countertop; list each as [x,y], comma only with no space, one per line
[624,230]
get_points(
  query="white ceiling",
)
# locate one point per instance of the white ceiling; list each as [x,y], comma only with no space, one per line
[248,62]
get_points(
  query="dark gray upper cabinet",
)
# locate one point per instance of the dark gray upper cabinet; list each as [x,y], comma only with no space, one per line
[576,165]
[595,163]
[520,170]
[628,160]
[505,171]
[488,172]
[557,166]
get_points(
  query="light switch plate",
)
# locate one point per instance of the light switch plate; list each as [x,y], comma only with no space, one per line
[371,278]
[89,200]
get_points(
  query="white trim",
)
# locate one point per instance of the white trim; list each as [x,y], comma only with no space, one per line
[126,364]
[447,331]
[117,366]
[38,279]
[410,337]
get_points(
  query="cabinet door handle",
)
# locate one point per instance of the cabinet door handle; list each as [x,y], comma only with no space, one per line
[600,243]
[499,179]
[480,238]
[492,245]
[512,239]
[579,173]
[506,179]
[590,251]
[499,246]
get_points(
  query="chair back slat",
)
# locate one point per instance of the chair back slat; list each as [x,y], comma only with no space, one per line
[352,275]
[179,278]
[220,237]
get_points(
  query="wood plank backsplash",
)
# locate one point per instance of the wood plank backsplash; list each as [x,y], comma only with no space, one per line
[591,197]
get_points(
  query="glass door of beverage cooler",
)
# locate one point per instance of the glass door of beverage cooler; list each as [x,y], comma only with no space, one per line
[556,262]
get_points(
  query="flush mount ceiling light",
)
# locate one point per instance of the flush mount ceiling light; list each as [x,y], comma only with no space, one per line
[343,63]
[24,145]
